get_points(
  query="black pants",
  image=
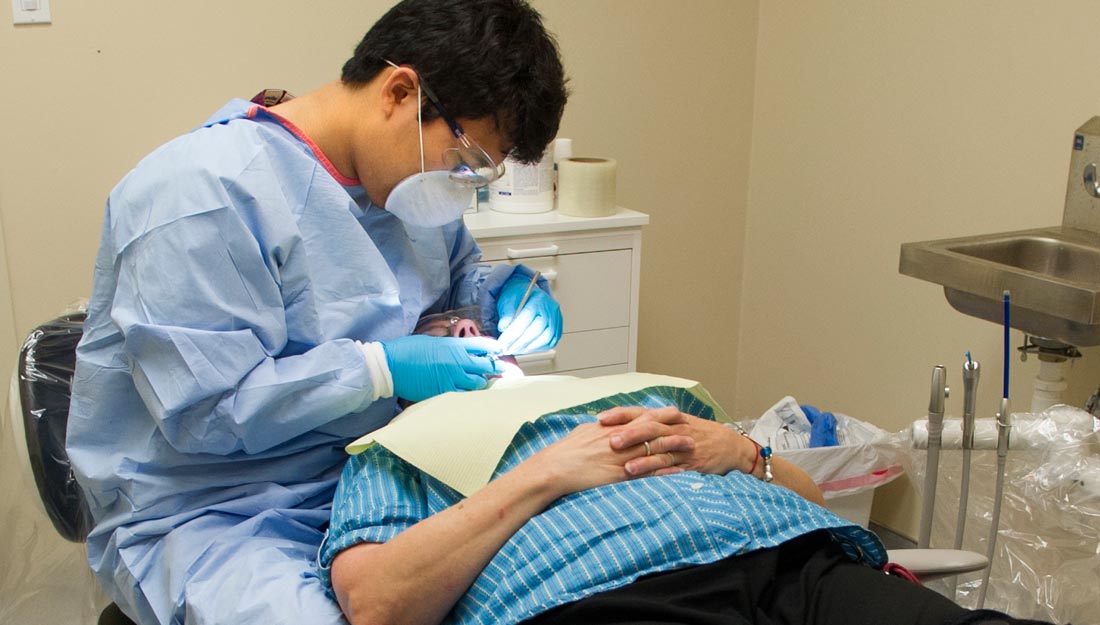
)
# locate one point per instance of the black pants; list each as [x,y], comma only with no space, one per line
[806,581]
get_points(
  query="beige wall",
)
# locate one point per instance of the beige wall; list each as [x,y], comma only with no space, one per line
[87,96]
[8,341]
[666,89]
[884,122]
[857,125]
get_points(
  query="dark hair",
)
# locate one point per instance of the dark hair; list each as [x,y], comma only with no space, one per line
[482,58]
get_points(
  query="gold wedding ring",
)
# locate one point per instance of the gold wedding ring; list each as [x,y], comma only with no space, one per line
[648,451]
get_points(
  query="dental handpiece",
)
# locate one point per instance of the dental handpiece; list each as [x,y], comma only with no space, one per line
[971,374]
[1004,429]
[939,393]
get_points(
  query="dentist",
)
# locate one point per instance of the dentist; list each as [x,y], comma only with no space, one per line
[254,291]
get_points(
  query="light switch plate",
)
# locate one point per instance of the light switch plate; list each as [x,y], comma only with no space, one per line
[30,12]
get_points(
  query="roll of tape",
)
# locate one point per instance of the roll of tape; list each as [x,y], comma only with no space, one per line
[586,186]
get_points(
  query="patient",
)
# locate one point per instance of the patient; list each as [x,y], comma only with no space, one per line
[635,508]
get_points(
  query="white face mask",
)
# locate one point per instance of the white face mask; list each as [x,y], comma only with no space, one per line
[428,199]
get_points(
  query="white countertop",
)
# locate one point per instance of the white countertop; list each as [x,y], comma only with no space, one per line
[488,223]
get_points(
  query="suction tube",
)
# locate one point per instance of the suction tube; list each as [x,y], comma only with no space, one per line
[931,473]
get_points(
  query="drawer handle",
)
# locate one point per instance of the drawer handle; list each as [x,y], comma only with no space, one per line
[549,250]
[526,359]
[550,274]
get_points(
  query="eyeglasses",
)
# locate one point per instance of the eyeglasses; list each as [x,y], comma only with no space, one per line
[469,163]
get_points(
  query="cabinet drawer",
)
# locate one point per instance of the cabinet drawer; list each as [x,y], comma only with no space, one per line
[595,372]
[593,289]
[580,350]
[518,249]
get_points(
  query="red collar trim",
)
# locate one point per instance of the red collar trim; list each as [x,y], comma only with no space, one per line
[297,132]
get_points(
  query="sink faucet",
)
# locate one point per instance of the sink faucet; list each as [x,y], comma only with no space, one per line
[1082,208]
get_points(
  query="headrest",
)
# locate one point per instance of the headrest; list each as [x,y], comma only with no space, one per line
[46,364]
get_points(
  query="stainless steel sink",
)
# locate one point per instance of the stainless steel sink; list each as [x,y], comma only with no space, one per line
[1052,273]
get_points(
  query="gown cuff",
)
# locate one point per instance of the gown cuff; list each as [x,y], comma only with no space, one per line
[379,370]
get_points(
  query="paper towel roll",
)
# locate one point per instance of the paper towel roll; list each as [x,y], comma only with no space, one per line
[586,186]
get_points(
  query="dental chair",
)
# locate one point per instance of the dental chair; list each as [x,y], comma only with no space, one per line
[928,565]
[44,374]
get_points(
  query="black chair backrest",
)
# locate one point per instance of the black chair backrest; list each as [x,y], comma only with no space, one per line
[46,364]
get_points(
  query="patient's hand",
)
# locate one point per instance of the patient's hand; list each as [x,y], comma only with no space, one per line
[586,458]
[717,448]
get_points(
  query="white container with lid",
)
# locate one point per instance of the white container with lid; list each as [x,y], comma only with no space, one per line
[524,188]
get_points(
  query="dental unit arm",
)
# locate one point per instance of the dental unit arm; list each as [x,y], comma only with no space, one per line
[925,563]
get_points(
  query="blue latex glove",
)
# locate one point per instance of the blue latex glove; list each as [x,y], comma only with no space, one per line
[426,366]
[535,328]
[823,427]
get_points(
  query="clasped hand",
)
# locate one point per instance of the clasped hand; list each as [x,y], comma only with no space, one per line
[589,456]
[631,441]
[712,451]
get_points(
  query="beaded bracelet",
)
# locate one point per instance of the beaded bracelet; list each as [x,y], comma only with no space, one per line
[762,452]
[766,454]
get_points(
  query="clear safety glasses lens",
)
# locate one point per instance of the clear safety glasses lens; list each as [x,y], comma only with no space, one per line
[470,165]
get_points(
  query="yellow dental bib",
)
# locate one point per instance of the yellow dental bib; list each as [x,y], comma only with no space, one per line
[459,438]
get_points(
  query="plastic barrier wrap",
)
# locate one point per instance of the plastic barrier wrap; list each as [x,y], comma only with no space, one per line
[45,377]
[847,474]
[44,578]
[1046,562]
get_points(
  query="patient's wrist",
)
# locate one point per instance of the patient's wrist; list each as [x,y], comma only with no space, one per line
[545,479]
[748,456]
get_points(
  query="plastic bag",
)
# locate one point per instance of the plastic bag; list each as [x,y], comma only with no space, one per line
[865,459]
[1046,561]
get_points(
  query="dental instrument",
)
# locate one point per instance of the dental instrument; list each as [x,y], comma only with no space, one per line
[939,392]
[527,293]
[1004,429]
[971,374]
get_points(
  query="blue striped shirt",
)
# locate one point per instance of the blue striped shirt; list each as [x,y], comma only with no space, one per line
[590,541]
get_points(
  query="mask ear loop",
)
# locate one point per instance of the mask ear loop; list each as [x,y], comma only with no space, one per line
[419,113]
[420,122]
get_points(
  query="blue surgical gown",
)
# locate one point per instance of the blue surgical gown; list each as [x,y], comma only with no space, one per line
[218,379]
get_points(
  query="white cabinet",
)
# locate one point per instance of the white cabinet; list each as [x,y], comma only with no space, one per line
[593,266]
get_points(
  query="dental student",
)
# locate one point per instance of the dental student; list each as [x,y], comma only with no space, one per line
[254,291]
